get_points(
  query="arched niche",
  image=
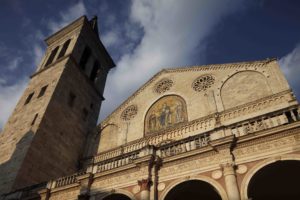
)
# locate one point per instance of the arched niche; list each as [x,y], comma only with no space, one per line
[244,87]
[165,113]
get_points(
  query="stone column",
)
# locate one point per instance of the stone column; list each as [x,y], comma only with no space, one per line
[145,185]
[230,181]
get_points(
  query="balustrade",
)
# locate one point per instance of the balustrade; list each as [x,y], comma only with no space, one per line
[67,180]
[179,144]
[117,162]
[188,144]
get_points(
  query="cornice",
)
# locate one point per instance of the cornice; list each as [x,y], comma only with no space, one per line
[75,24]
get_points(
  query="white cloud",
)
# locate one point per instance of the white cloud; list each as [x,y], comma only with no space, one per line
[9,97]
[173,30]
[290,64]
[14,63]
[38,53]
[73,12]
[110,39]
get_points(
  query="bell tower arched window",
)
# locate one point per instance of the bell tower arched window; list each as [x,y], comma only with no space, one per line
[52,56]
[64,49]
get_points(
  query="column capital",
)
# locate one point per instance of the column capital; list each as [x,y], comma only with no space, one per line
[145,184]
[228,169]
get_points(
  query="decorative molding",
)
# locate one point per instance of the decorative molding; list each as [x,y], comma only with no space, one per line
[257,105]
[241,169]
[136,189]
[217,174]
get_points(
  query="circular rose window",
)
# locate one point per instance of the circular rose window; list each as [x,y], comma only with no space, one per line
[202,83]
[163,86]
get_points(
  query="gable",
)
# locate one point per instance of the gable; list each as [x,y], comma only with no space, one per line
[201,91]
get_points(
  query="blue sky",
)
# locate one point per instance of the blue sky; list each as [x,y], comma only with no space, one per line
[145,36]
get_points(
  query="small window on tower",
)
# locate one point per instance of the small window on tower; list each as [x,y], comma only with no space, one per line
[29,98]
[34,119]
[95,70]
[52,56]
[71,99]
[42,92]
[84,57]
[64,49]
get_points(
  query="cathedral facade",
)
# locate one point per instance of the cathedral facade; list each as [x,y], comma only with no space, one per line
[223,131]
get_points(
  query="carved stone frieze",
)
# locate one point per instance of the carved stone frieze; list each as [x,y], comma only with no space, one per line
[120,178]
[210,159]
[267,144]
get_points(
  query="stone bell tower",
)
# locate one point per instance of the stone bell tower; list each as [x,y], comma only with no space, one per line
[45,135]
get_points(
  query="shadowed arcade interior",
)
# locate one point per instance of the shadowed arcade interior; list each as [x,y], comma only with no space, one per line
[117,197]
[279,180]
[193,190]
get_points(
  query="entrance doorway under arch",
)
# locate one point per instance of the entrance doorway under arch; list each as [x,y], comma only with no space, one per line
[279,180]
[193,190]
[116,197]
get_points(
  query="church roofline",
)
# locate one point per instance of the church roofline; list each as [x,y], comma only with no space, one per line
[183,69]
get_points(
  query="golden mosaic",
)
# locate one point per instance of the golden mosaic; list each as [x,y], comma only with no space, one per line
[166,112]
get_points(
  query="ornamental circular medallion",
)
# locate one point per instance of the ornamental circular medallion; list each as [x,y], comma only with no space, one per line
[161,186]
[202,83]
[242,169]
[216,174]
[129,113]
[136,189]
[163,85]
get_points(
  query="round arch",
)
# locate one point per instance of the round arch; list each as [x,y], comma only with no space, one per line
[217,186]
[251,91]
[250,174]
[121,192]
[165,112]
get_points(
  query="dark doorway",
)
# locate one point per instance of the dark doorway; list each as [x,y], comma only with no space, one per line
[193,190]
[117,197]
[279,180]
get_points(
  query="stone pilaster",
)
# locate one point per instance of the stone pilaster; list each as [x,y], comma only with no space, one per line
[230,181]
